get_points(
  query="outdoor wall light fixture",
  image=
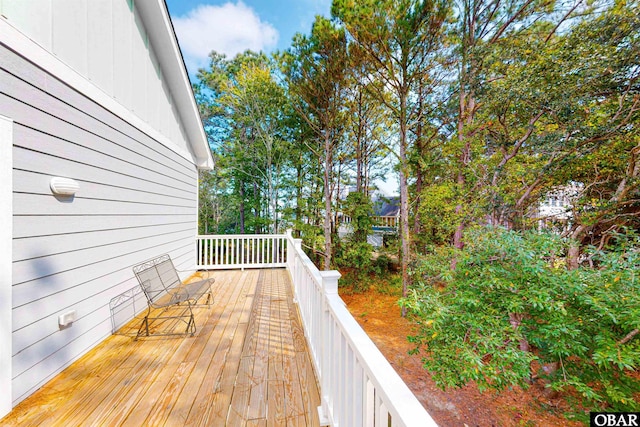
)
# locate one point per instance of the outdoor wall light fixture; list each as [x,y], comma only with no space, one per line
[64,186]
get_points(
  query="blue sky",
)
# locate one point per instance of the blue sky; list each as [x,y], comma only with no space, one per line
[232,26]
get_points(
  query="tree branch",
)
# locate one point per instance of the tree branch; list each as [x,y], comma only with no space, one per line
[628,337]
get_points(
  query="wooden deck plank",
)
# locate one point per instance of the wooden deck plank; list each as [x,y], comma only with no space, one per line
[276,415]
[204,380]
[100,394]
[200,355]
[154,406]
[296,405]
[114,405]
[140,402]
[306,383]
[258,397]
[246,365]
[61,391]
[276,336]
[221,407]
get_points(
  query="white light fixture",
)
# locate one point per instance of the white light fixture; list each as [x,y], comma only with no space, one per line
[67,318]
[64,186]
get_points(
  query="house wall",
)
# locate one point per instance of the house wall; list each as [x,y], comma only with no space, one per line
[106,42]
[6,236]
[137,199]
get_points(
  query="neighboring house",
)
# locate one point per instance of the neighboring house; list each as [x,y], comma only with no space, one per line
[556,207]
[386,206]
[94,91]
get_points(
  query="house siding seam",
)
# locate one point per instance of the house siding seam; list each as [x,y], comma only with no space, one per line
[137,199]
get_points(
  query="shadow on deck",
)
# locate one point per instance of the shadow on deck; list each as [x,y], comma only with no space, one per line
[248,364]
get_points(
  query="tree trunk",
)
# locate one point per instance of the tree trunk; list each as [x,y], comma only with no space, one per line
[256,209]
[466,112]
[419,147]
[241,208]
[573,253]
[359,147]
[327,201]
[299,192]
[404,202]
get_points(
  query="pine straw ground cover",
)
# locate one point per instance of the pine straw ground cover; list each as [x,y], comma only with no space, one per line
[379,315]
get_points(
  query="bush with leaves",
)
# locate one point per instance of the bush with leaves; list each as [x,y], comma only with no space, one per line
[353,253]
[511,312]
[359,208]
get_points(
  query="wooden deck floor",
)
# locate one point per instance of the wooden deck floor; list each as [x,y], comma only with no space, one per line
[247,365]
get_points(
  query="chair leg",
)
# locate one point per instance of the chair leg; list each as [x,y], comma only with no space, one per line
[209,297]
[191,325]
[145,325]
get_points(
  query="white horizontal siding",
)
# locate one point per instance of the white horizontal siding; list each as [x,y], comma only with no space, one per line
[137,199]
[25,226]
[85,297]
[36,183]
[67,267]
[24,249]
[98,137]
[52,165]
[106,42]
[6,282]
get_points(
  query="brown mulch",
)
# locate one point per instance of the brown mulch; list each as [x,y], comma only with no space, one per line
[379,315]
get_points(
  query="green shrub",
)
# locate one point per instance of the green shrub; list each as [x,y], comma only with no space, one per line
[383,264]
[355,256]
[511,301]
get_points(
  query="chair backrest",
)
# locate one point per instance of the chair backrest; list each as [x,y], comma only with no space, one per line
[156,276]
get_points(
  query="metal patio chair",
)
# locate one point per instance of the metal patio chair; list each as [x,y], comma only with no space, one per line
[163,288]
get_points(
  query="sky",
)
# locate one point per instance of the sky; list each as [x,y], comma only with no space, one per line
[231,27]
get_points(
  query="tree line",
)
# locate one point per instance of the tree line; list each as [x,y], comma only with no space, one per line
[486,108]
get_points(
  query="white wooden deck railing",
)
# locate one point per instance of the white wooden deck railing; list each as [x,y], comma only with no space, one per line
[241,251]
[358,386]
[381,221]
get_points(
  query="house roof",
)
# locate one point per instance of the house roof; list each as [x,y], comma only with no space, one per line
[384,206]
[157,22]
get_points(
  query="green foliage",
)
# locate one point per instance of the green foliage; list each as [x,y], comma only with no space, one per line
[438,212]
[247,117]
[359,208]
[355,256]
[511,301]
[383,264]
[354,253]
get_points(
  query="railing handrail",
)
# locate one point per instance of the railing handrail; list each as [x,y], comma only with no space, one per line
[391,396]
[384,220]
[250,236]
[406,406]
[227,251]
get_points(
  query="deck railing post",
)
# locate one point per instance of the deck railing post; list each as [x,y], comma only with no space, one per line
[327,358]
[294,246]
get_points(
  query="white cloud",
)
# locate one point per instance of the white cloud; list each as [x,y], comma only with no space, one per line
[230,29]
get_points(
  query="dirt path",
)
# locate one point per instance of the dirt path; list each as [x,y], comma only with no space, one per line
[379,315]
